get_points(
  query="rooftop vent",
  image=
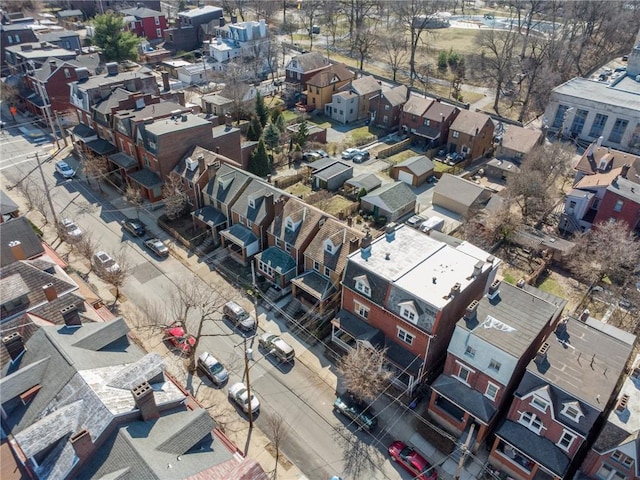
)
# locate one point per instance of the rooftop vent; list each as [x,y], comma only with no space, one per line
[622,404]
[493,290]
[112,68]
[541,354]
[82,73]
[192,164]
[455,290]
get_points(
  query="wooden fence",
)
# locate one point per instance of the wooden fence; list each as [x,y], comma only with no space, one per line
[395,148]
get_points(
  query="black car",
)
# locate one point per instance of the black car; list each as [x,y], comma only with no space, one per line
[157,246]
[358,411]
[134,227]
[361,157]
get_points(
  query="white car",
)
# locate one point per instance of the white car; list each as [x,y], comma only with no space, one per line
[64,169]
[70,230]
[238,393]
[212,368]
[349,153]
[104,262]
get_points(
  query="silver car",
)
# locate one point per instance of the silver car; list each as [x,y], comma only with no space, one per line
[70,230]
[212,368]
[104,263]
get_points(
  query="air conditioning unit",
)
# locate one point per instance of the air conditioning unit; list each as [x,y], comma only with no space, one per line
[192,164]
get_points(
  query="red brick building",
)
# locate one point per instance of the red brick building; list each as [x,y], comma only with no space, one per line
[146,23]
[621,201]
[471,134]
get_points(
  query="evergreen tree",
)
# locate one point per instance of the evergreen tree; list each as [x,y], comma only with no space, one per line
[303,133]
[278,119]
[259,161]
[271,136]
[261,110]
[116,43]
[255,130]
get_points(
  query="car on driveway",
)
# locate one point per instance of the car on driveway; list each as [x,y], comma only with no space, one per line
[157,246]
[412,461]
[212,368]
[64,169]
[356,410]
[311,156]
[239,394]
[349,153]
[134,226]
[454,158]
[415,221]
[70,230]
[176,335]
[276,345]
[361,157]
[322,153]
[104,263]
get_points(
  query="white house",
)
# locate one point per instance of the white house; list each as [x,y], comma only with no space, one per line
[242,39]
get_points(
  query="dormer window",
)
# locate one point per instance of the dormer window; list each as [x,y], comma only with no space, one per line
[362,285]
[252,202]
[539,403]
[572,410]
[290,225]
[329,247]
[408,312]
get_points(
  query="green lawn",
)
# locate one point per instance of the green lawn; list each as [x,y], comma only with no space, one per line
[551,285]
[401,156]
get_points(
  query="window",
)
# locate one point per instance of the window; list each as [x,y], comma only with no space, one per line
[618,130]
[572,411]
[385,119]
[328,246]
[405,336]
[278,242]
[362,285]
[493,365]
[408,313]
[17,37]
[252,203]
[455,134]
[618,206]
[491,391]
[386,107]
[559,118]
[67,73]
[620,457]
[470,351]
[607,472]
[464,373]
[266,269]
[578,122]
[426,122]
[539,403]
[531,421]
[10,39]
[598,125]
[361,310]
[316,266]
[327,272]
[566,440]
[157,19]
[158,33]
[287,247]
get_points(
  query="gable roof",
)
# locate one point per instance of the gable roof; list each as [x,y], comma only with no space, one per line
[368,181]
[335,169]
[439,111]
[227,184]
[341,236]
[21,230]
[418,165]
[337,72]
[298,211]
[520,139]
[463,191]
[141,12]
[311,61]
[365,85]
[395,96]
[259,192]
[592,157]
[469,122]
[392,197]
[417,105]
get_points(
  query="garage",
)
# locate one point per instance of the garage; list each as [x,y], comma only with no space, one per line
[414,171]
[405,177]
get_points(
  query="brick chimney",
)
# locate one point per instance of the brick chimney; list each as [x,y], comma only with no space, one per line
[353,244]
[14,345]
[145,401]
[82,444]
[541,354]
[268,207]
[165,81]
[470,312]
[50,292]
[493,290]
[16,250]
[625,170]
[71,316]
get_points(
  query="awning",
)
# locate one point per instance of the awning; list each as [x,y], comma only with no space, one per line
[146,177]
[36,100]
[315,284]
[210,215]
[84,133]
[240,235]
[465,397]
[123,160]
[101,147]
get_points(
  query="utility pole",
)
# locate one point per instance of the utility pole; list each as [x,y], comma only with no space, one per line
[47,111]
[465,450]
[246,372]
[46,191]
[62,130]
[255,292]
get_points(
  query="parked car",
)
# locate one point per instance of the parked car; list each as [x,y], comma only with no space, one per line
[349,153]
[356,410]
[412,461]
[239,394]
[415,221]
[104,263]
[212,368]
[311,156]
[322,153]
[281,349]
[64,169]
[71,231]
[177,336]
[238,316]
[157,246]
[454,158]
[361,157]
[134,226]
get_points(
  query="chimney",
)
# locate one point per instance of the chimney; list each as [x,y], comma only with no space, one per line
[201,164]
[184,117]
[53,65]
[477,268]
[165,81]
[227,121]
[112,68]
[365,245]
[493,290]
[353,244]
[16,250]
[268,206]
[470,312]
[14,345]
[541,354]
[82,74]
[82,444]
[455,290]
[221,21]
[180,98]
[622,404]
[145,401]
[390,232]
[71,316]
[599,141]
[26,48]
[50,292]
[625,170]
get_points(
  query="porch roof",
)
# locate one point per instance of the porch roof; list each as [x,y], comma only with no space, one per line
[240,235]
[465,397]
[210,215]
[315,284]
[403,357]
[101,146]
[146,177]
[358,329]
[123,160]
[83,131]
[431,133]
[541,450]
[277,259]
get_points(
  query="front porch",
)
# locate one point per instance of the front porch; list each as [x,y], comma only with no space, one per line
[212,219]
[149,182]
[241,243]
[314,292]
[121,166]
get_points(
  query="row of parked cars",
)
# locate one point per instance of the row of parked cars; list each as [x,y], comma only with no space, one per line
[356,155]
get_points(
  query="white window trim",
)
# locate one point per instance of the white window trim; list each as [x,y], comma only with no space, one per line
[568,405]
[529,424]
[470,351]
[455,134]
[498,364]
[536,397]
[404,335]
[287,247]
[357,307]
[363,288]
[486,392]
[327,272]
[252,203]
[316,266]
[466,367]
[568,433]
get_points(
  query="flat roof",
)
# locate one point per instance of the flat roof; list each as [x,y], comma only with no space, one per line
[166,126]
[624,93]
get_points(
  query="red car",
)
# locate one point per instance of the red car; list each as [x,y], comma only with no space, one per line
[412,461]
[178,338]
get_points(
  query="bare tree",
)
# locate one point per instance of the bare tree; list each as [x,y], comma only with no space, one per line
[532,66]
[309,13]
[485,229]
[498,58]
[395,46]
[331,15]
[235,88]
[357,12]
[133,196]
[277,430]
[363,372]
[28,192]
[86,247]
[360,459]
[116,277]
[95,167]
[415,16]
[175,196]
[364,43]
[40,204]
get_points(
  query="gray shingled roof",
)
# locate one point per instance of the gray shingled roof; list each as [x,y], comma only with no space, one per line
[365,85]
[228,183]
[298,211]
[391,197]
[368,181]
[333,170]
[469,122]
[463,191]
[311,61]
[396,95]
[341,236]
[18,229]
[416,105]
[277,259]
[465,397]
[418,165]
[256,190]
[240,235]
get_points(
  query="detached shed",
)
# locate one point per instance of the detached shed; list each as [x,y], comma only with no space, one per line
[333,176]
[392,200]
[459,195]
[413,171]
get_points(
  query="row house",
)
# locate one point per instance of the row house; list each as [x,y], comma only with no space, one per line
[27,57]
[615,453]
[14,34]
[489,351]
[515,143]
[471,134]
[404,292]
[92,7]
[195,170]
[605,187]
[301,68]
[145,22]
[386,107]
[353,102]
[187,34]
[427,121]
[240,40]
[567,389]
[321,87]
[67,39]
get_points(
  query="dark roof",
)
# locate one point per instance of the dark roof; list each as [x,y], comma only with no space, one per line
[333,170]
[240,235]
[391,197]
[304,216]
[210,215]
[257,191]
[83,131]
[337,72]
[50,311]
[439,111]
[593,155]
[228,183]
[540,449]
[418,165]
[341,236]
[21,230]
[465,397]
[316,284]
[56,36]
[70,13]
[123,160]
[141,12]
[277,259]
[322,163]
[22,325]
[470,122]
[7,206]
[112,100]
[146,177]
[395,96]
[311,61]
[101,146]
[210,158]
